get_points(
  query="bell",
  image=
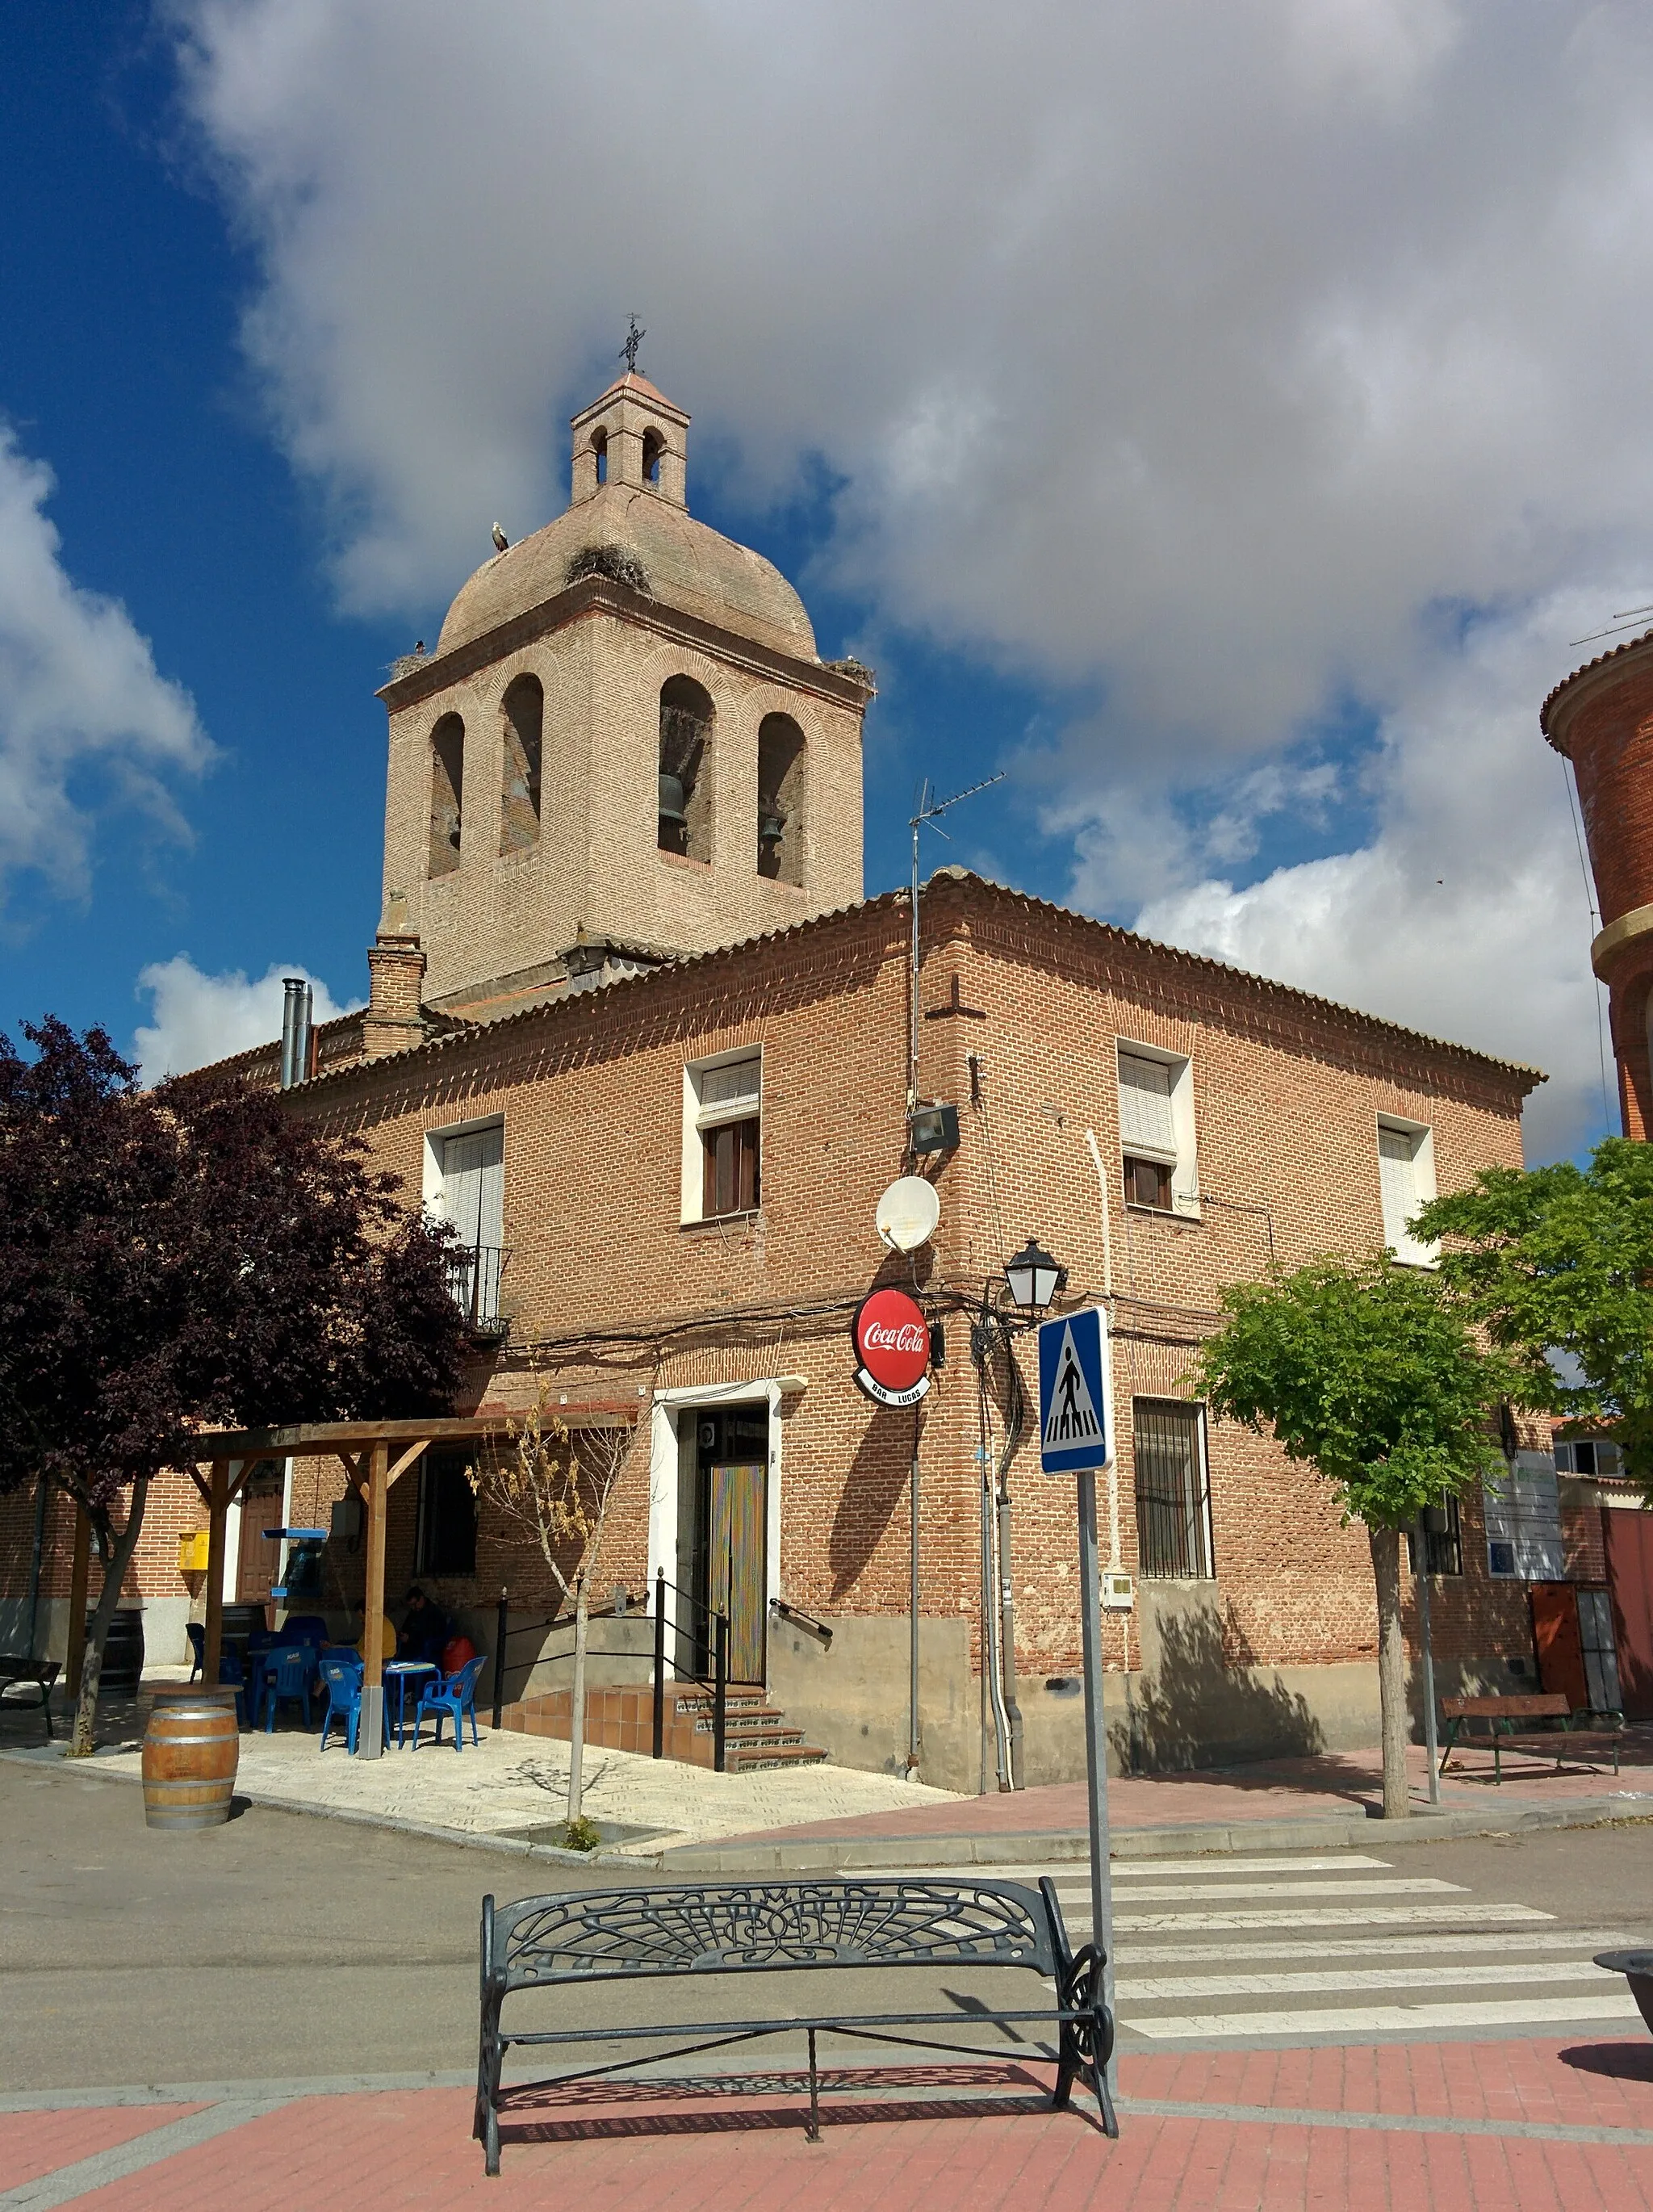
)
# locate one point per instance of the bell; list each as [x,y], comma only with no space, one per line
[771,825]
[671,805]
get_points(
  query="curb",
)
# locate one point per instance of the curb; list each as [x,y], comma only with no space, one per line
[848,1854]
[841,1854]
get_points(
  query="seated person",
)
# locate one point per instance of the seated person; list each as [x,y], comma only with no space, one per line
[425,1629]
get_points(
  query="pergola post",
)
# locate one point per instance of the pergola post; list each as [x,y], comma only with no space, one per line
[217,1513]
[370,1733]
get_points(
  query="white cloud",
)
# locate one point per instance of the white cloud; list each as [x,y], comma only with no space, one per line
[1255,368]
[86,723]
[198,1018]
[1467,914]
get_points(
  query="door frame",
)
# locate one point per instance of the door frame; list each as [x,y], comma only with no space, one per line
[663,1483]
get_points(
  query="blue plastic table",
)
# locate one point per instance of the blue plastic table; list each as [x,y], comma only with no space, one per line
[399,1669]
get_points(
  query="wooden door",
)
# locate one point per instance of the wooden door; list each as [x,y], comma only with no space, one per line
[1555,1632]
[258,1563]
[1629,1534]
[739,1580]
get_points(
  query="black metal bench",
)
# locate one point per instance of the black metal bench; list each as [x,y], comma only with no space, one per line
[660,1933]
[42,1673]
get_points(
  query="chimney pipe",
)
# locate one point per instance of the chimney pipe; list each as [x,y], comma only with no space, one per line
[296,1013]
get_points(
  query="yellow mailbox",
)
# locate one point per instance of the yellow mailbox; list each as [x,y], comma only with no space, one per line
[192,1545]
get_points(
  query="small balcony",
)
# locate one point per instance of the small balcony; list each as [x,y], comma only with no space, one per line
[473,1282]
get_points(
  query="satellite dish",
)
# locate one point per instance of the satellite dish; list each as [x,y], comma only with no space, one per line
[907,1213]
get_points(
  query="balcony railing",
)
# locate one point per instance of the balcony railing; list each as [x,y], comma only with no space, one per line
[473,1282]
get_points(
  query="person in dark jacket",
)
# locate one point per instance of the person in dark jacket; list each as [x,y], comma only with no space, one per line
[425,1629]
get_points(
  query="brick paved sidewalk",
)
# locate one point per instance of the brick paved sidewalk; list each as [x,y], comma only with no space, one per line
[1336,1784]
[1507,2125]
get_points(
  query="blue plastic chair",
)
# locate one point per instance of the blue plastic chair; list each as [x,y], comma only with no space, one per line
[453,1693]
[230,1669]
[286,1672]
[342,1673]
[197,1637]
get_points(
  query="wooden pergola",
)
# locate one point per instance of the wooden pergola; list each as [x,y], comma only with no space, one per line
[374,1455]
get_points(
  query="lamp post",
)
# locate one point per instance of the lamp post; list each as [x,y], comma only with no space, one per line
[1033,1279]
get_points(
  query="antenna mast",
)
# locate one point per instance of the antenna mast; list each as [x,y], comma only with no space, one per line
[927,808]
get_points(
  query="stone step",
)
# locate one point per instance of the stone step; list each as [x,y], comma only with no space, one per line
[751,1759]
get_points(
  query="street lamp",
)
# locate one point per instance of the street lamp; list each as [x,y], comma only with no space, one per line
[1034,1278]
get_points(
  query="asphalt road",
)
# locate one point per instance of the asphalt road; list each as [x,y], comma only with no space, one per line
[283,1946]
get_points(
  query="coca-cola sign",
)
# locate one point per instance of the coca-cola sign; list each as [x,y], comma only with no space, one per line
[892,1347]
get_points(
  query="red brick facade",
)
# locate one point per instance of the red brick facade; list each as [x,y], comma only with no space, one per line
[611,1294]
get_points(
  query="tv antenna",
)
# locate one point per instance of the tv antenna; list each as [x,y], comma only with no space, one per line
[927,809]
[1621,620]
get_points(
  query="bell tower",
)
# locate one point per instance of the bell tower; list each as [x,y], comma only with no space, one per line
[625,745]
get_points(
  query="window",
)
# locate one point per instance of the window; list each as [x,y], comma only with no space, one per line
[722,1111]
[685,797]
[1405,1175]
[1588,1455]
[653,446]
[1445,1543]
[781,799]
[599,445]
[1156,1130]
[1523,1521]
[445,1538]
[1173,1502]
[447,793]
[524,713]
[473,1199]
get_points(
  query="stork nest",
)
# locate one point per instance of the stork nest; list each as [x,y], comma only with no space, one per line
[856,670]
[610,561]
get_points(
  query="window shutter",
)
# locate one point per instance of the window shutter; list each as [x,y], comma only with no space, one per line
[736,1086]
[473,1186]
[1144,1106]
[1398,1177]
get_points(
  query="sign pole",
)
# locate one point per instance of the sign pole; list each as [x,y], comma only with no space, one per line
[1096,1746]
[1076,1437]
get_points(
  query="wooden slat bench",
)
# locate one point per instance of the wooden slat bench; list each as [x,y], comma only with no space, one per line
[42,1672]
[1505,1716]
[688,1930]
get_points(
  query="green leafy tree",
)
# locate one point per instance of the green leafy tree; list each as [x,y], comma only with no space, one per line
[1368,1372]
[1561,1259]
[195,1255]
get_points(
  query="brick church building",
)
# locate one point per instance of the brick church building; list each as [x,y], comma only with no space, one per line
[635,1028]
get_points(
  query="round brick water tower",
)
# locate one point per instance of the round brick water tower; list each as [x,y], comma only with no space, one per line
[1602,719]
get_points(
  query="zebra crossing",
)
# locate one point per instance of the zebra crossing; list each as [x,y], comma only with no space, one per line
[1341,1946]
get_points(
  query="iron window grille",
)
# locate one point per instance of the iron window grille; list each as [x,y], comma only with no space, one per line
[1173,1493]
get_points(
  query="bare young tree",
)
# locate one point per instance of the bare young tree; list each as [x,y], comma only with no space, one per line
[559,1483]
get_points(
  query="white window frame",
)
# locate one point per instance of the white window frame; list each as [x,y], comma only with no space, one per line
[1184,1162]
[698,1118]
[1406,1247]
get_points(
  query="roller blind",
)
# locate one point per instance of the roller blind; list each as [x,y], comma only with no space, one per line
[1144,1106]
[473,1186]
[728,1093]
[1397,1170]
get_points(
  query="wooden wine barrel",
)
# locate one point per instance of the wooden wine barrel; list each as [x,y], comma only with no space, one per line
[191,1748]
[123,1649]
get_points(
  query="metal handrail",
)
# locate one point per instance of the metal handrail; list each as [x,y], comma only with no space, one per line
[717,1623]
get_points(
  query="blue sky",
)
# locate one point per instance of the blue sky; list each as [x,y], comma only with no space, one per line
[1137,427]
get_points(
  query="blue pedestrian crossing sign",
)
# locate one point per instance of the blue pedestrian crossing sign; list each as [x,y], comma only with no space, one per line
[1075,1398]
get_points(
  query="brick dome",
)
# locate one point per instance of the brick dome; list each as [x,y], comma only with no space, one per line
[688,566]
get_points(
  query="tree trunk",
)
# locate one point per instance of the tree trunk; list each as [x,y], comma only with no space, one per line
[115,1555]
[1391,1671]
[577,1710]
